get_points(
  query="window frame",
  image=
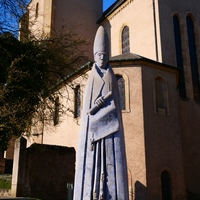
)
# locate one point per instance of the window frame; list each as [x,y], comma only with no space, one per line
[127,40]
[127,93]
[77,103]
[36,10]
[193,55]
[178,34]
[170,187]
[56,111]
[159,110]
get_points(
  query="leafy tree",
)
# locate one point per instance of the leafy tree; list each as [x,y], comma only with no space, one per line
[28,73]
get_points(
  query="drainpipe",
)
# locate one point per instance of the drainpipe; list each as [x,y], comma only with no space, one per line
[155,30]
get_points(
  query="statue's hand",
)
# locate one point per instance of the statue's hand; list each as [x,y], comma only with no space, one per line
[100,101]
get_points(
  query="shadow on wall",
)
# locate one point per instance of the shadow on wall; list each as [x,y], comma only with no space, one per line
[48,172]
[140,191]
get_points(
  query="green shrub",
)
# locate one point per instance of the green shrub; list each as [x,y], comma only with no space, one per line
[5,181]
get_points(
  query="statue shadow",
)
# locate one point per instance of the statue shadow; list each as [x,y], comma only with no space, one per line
[140,191]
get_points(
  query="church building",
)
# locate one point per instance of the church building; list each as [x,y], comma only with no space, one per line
[155,54]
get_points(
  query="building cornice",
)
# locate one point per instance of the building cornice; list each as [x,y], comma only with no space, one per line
[77,72]
[142,61]
[113,11]
[121,61]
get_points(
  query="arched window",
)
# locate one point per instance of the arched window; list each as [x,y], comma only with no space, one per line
[125,40]
[160,96]
[193,57]
[56,111]
[36,10]
[121,85]
[77,101]
[179,57]
[166,186]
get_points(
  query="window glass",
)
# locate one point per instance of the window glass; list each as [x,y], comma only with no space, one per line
[77,101]
[121,85]
[166,186]
[193,57]
[161,96]
[56,111]
[125,40]
[36,10]
[179,57]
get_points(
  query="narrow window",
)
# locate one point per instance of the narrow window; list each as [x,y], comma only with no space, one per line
[56,111]
[161,96]
[125,40]
[166,186]
[193,57]
[77,101]
[24,31]
[121,85]
[179,56]
[36,10]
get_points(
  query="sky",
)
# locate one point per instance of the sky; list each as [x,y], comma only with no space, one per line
[107,3]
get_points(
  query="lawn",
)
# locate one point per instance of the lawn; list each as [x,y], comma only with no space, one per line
[5,181]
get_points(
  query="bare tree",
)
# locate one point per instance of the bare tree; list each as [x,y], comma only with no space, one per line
[31,72]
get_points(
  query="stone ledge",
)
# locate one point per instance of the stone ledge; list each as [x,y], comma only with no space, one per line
[5,193]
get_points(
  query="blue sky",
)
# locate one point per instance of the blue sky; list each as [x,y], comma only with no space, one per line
[107,3]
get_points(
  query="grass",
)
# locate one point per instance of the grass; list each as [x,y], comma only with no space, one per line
[5,181]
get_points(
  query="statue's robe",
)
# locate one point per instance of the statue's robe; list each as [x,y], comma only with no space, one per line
[101,169]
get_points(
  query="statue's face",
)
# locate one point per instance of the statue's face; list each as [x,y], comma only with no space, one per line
[101,59]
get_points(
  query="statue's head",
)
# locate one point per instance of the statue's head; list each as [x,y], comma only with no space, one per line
[101,48]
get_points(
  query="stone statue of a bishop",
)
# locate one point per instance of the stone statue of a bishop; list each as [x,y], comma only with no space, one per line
[101,169]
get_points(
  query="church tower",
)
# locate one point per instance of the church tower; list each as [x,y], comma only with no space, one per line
[46,16]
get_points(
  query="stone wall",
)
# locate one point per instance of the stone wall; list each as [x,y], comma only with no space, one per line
[48,171]
[5,193]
